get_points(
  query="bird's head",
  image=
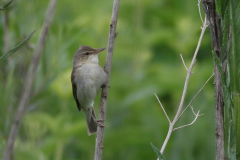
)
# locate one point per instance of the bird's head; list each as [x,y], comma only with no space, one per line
[86,54]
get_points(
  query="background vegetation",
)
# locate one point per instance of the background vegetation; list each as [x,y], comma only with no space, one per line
[151,35]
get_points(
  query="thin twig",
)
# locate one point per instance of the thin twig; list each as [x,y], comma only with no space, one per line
[183,62]
[170,130]
[194,112]
[29,80]
[107,69]
[199,9]
[189,72]
[197,115]
[163,108]
[195,96]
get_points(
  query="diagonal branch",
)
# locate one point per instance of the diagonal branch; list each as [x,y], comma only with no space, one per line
[194,112]
[163,108]
[189,71]
[107,69]
[29,80]
[195,96]
[183,62]
[170,130]
[196,116]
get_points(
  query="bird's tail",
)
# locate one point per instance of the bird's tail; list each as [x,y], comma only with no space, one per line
[91,121]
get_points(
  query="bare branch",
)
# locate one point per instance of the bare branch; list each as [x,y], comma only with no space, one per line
[107,69]
[195,96]
[196,116]
[183,62]
[163,108]
[29,80]
[199,9]
[189,71]
[194,112]
[185,88]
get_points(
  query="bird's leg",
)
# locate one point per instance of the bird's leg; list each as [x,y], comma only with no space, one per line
[105,85]
[98,121]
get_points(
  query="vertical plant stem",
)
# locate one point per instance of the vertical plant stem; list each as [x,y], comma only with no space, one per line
[214,25]
[219,115]
[107,69]
[29,80]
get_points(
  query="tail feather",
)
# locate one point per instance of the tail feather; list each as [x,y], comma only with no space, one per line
[91,121]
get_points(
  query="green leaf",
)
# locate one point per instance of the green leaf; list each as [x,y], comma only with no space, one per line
[219,66]
[6,5]
[159,154]
[232,115]
[221,6]
[230,48]
[9,53]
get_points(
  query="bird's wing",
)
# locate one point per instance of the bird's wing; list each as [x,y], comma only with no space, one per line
[74,89]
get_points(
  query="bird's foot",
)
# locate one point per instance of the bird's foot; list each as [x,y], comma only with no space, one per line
[106,86]
[99,124]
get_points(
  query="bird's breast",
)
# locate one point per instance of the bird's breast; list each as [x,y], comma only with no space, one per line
[90,72]
[89,78]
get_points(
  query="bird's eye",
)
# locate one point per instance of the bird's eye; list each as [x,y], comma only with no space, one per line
[86,53]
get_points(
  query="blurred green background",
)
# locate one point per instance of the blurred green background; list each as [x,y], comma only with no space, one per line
[151,36]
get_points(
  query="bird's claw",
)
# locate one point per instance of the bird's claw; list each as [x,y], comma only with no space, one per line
[105,85]
[99,124]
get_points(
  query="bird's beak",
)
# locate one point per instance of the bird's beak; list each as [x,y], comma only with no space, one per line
[99,50]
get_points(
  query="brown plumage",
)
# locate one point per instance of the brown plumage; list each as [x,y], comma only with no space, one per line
[87,79]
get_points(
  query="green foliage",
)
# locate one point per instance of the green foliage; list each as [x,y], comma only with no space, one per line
[9,53]
[230,75]
[5,6]
[159,154]
[234,68]
[151,35]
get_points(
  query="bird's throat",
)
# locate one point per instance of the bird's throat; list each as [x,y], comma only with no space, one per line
[94,59]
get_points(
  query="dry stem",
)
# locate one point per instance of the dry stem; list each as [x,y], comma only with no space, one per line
[107,69]
[184,90]
[29,80]
[163,109]
[199,9]
[189,104]
[196,116]
[183,62]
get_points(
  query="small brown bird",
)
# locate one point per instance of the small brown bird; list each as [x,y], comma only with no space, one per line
[87,79]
